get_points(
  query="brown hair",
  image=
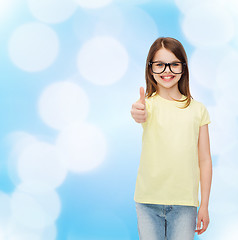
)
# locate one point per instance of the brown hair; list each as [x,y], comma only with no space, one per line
[177,49]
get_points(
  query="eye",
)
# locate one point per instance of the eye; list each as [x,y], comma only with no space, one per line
[160,64]
[175,64]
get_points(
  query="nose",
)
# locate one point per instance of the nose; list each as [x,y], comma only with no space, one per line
[167,69]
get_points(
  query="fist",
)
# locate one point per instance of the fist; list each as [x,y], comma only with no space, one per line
[138,109]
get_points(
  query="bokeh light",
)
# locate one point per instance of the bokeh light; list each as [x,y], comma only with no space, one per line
[62,103]
[198,30]
[70,150]
[83,146]
[52,11]
[41,163]
[35,211]
[93,3]
[5,7]
[5,209]
[204,63]
[33,47]
[102,60]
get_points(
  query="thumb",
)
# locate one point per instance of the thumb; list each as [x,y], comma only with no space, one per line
[142,96]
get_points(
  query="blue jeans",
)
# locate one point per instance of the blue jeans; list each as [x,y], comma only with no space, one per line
[166,222]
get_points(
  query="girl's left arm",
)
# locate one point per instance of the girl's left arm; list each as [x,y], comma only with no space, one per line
[205,164]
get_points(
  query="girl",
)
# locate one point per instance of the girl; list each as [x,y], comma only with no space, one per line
[175,152]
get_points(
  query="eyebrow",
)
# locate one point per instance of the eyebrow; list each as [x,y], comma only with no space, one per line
[164,62]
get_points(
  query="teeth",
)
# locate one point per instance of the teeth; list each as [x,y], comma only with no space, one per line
[167,77]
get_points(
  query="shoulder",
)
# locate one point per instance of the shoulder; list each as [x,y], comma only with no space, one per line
[197,104]
[150,99]
[149,102]
[203,113]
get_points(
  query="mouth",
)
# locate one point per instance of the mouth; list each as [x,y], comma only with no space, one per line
[167,78]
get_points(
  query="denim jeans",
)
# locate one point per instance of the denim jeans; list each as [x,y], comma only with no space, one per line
[166,222]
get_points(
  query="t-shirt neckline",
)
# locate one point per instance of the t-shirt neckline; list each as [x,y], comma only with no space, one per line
[169,101]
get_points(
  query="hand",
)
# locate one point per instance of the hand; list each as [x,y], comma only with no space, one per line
[138,110]
[204,217]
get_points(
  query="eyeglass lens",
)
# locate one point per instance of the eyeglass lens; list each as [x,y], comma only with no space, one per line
[159,67]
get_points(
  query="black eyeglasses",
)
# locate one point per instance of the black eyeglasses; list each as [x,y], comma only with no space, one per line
[159,67]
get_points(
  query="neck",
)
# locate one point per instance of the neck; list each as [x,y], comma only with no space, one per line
[168,93]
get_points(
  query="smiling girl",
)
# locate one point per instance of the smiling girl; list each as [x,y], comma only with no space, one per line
[175,154]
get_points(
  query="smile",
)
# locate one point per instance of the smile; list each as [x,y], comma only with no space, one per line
[167,78]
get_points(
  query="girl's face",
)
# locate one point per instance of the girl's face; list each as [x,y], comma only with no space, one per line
[166,79]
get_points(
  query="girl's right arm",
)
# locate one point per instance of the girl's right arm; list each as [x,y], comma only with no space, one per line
[138,109]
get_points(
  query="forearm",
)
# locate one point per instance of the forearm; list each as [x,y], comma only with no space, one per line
[205,181]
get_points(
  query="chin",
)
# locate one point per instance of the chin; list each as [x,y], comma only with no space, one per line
[167,84]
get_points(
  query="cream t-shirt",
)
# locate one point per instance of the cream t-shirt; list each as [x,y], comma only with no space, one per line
[169,170]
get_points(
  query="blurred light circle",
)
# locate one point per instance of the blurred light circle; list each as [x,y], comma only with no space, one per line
[226,80]
[2,233]
[17,231]
[230,230]
[204,64]
[49,232]
[23,236]
[5,7]
[104,21]
[222,136]
[5,210]
[83,146]
[227,167]
[33,47]
[62,103]
[133,2]
[208,25]
[17,141]
[139,31]
[52,11]
[41,163]
[185,5]
[102,60]
[34,187]
[220,193]
[35,211]
[93,3]
[20,139]
[232,6]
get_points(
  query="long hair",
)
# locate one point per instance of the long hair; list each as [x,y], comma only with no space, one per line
[177,49]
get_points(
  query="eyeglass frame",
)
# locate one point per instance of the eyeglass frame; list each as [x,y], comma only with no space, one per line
[167,64]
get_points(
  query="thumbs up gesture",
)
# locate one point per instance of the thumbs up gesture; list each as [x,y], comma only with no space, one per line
[138,109]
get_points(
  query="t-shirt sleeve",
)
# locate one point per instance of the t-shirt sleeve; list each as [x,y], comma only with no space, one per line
[205,117]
